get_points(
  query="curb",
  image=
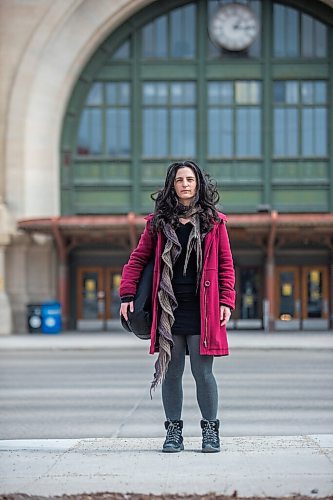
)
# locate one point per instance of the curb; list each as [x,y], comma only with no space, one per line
[237,341]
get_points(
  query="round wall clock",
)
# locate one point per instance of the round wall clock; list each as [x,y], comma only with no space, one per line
[234,27]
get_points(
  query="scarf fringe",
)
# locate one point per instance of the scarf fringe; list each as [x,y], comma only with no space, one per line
[166,296]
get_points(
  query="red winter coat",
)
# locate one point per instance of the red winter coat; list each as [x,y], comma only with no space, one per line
[216,285]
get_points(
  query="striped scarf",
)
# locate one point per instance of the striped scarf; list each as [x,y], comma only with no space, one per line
[167,300]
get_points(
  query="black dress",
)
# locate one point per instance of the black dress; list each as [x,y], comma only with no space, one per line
[187,314]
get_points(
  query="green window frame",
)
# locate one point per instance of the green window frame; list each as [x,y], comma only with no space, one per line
[234,119]
[104,126]
[172,35]
[114,175]
[300,119]
[297,35]
[168,119]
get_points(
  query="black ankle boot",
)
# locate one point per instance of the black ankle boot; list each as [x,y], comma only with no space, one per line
[174,439]
[210,436]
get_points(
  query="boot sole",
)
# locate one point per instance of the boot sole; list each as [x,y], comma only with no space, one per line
[173,450]
[210,450]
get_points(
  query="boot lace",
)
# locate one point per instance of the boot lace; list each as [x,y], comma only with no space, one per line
[209,433]
[174,432]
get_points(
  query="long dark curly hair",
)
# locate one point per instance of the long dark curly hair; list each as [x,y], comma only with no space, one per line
[167,202]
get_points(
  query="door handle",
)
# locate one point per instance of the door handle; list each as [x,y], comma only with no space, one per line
[101,302]
[297,306]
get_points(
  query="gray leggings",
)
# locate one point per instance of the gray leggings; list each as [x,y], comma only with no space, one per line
[201,367]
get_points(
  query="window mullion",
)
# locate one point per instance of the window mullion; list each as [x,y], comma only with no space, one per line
[201,109]
[135,119]
[234,123]
[329,100]
[168,21]
[267,103]
[300,108]
[169,125]
[103,113]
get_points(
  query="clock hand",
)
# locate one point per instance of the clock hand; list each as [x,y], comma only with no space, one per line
[243,27]
[237,23]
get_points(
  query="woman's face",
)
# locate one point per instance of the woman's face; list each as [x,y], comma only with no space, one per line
[185,185]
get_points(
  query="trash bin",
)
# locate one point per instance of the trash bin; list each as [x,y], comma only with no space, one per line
[51,317]
[34,318]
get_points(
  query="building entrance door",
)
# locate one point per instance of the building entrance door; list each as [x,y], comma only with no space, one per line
[288,306]
[315,298]
[249,304]
[302,298]
[97,298]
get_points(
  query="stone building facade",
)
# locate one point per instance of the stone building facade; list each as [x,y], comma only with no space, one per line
[98,97]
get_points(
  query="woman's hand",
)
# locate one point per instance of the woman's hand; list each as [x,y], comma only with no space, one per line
[225,314]
[124,308]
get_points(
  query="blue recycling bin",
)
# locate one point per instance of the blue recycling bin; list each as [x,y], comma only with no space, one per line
[51,317]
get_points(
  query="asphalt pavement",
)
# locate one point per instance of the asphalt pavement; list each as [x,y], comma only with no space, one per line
[248,465]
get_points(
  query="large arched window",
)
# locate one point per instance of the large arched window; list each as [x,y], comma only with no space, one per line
[257,118]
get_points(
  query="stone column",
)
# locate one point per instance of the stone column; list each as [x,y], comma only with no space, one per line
[7,228]
[5,309]
[62,252]
[17,269]
[63,290]
[269,272]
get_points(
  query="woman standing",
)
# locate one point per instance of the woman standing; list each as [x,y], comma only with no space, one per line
[192,297]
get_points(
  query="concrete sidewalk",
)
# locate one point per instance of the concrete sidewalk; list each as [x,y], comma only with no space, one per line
[121,339]
[253,466]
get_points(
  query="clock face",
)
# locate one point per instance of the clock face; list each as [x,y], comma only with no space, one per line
[234,27]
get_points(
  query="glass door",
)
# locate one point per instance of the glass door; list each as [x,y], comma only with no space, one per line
[90,298]
[288,304]
[113,277]
[249,312]
[315,298]
[98,302]
[302,298]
